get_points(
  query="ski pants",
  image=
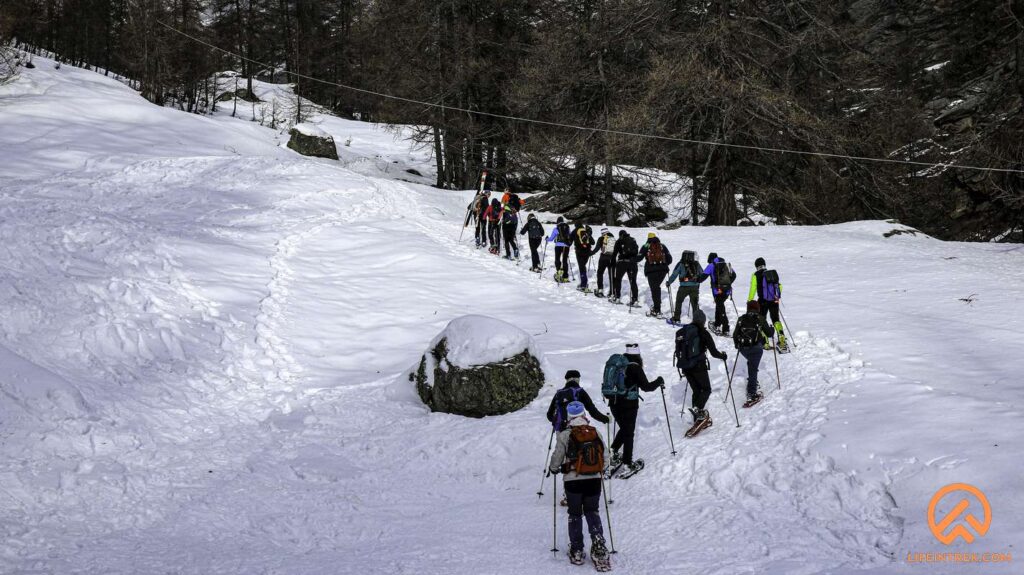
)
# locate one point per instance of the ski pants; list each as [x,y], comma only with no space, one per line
[623,269]
[562,259]
[700,383]
[481,232]
[625,417]
[771,306]
[687,291]
[753,356]
[654,280]
[581,262]
[511,244]
[494,234]
[721,317]
[534,255]
[583,496]
[604,264]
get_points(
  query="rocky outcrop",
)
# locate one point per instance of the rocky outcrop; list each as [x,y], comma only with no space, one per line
[310,140]
[479,366]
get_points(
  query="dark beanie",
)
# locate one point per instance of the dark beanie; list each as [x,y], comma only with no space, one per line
[560,220]
[572,374]
[759,262]
[699,318]
[711,257]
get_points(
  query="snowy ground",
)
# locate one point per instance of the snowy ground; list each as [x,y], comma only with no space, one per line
[203,336]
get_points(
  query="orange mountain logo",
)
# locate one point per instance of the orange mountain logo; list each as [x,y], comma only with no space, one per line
[956,524]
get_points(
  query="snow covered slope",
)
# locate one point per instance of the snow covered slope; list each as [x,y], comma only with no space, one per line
[203,336]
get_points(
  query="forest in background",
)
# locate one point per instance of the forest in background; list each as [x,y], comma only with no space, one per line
[931,81]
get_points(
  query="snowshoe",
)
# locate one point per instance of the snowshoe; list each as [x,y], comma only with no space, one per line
[583,289]
[634,303]
[783,347]
[599,293]
[655,314]
[703,422]
[616,459]
[632,469]
[508,257]
[599,555]
[753,400]
[614,470]
[719,331]
[674,322]
[614,300]
[576,556]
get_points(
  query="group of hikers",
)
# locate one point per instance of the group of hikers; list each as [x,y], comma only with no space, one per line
[579,452]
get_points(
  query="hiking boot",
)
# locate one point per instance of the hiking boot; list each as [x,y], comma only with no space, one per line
[598,550]
[599,293]
[675,319]
[576,556]
[695,413]
[616,459]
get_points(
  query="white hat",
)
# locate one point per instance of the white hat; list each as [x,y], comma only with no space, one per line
[633,348]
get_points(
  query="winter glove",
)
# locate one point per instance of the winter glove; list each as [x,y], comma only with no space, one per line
[722,356]
[660,381]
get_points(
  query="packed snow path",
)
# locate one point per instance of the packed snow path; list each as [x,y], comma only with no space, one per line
[206,338]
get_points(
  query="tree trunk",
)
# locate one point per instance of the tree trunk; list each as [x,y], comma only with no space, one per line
[439,158]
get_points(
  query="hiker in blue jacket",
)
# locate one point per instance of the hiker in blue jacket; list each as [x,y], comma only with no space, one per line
[689,274]
[562,236]
[721,289]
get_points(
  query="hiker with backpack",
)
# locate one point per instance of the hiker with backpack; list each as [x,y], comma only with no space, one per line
[493,216]
[657,259]
[689,274]
[624,254]
[693,343]
[751,335]
[562,237]
[765,286]
[624,379]
[583,242]
[580,457]
[722,276]
[606,261]
[509,221]
[480,204]
[568,394]
[534,232]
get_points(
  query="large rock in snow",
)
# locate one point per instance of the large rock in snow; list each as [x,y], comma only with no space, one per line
[479,366]
[310,140]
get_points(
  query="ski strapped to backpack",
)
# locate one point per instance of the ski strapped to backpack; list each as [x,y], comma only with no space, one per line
[689,352]
[584,453]
[613,385]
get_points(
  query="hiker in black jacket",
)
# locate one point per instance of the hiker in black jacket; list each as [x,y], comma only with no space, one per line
[657,259]
[625,410]
[563,397]
[535,232]
[697,373]
[624,256]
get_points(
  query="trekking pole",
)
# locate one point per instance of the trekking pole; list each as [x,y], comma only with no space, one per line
[778,378]
[686,390]
[607,435]
[542,477]
[671,306]
[554,513]
[543,258]
[572,275]
[608,516]
[734,410]
[791,338]
[671,441]
[734,308]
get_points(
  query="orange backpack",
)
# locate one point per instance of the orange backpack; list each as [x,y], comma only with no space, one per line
[585,452]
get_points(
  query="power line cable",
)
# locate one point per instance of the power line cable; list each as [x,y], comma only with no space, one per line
[942,165]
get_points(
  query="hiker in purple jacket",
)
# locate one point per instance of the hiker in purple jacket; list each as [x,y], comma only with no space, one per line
[721,290]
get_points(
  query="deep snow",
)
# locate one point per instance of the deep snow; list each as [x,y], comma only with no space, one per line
[204,334]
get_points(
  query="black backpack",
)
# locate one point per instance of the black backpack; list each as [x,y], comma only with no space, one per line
[724,275]
[629,248]
[689,349]
[748,331]
[564,234]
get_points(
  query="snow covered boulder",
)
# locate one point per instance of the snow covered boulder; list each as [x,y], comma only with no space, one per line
[310,140]
[479,366]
